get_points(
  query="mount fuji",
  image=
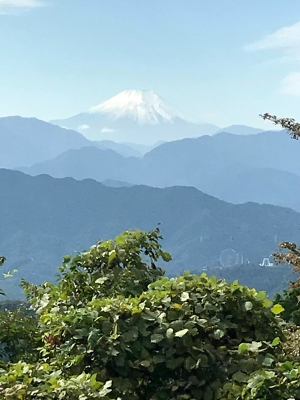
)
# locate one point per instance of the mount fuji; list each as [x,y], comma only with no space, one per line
[138,116]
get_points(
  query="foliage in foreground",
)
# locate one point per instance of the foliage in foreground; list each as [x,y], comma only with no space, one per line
[113,327]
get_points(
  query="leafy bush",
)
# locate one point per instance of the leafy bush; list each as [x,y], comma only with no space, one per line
[178,340]
[114,328]
[290,302]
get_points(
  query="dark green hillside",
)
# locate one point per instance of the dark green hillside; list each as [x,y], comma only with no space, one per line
[43,218]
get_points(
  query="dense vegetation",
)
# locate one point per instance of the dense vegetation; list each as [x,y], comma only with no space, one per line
[114,327]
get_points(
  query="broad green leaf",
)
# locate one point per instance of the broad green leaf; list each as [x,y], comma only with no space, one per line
[145,363]
[166,256]
[276,342]
[112,256]
[130,336]
[243,347]
[255,381]
[190,363]
[218,334]
[181,333]
[277,309]
[177,306]
[240,376]
[213,280]
[184,296]
[175,362]
[267,303]
[148,315]
[170,333]
[267,361]
[202,322]
[156,338]
[101,280]
[67,259]
[159,358]
[261,295]
[208,394]
[255,346]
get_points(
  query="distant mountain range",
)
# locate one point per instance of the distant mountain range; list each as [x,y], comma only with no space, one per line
[43,218]
[262,167]
[120,148]
[137,116]
[25,141]
[259,167]
[240,130]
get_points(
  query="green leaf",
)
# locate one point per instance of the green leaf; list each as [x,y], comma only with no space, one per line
[213,280]
[276,342]
[261,295]
[243,347]
[202,322]
[145,363]
[277,309]
[218,334]
[170,333]
[156,338]
[239,376]
[130,336]
[181,333]
[184,296]
[44,300]
[175,362]
[255,381]
[67,259]
[268,361]
[120,360]
[112,256]
[267,303]
[190,363]
[166,256]
[100,281]
[208,394]
[159,358]
[255,346]
[148,315]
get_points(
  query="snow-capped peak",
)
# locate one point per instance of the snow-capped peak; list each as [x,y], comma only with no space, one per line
[143,106]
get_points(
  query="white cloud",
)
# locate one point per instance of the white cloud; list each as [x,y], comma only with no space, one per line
[83,127]
[286,43]
[287,37]
[18,4]
[290,85]
[107,130]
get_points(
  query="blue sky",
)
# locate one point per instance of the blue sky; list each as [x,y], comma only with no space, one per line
[223,61]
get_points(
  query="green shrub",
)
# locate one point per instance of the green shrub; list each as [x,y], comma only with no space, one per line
[178,340]
[113,327]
